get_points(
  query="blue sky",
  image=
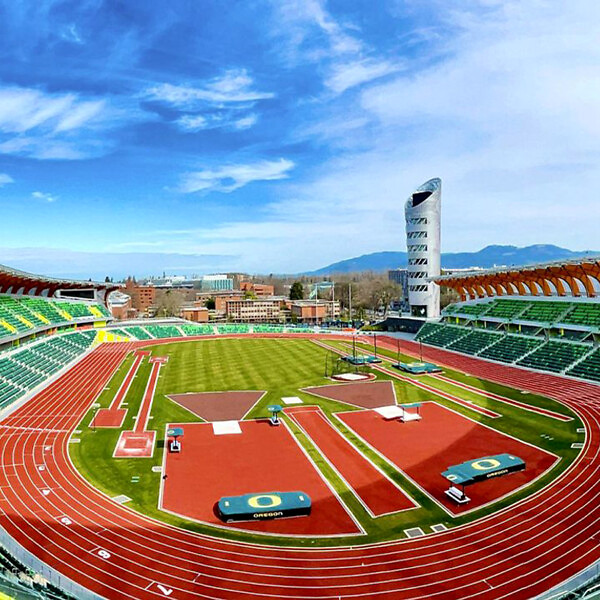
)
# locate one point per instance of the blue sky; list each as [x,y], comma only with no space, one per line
[282,135]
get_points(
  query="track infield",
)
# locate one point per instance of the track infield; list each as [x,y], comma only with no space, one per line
[423,449]
[261,459]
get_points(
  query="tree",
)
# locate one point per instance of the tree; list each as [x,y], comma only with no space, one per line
[210,304]
[169,303]
[297,291]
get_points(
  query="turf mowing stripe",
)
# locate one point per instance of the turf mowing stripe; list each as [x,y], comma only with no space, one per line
[541,411]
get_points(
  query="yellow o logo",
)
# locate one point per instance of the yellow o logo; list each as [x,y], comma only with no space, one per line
[264,501]
[485,464]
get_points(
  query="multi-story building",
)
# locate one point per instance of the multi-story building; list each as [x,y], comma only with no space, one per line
[120,306]
[422,211]
[315,311]
[261,290]
[142,296]
[216,283]
[252,311]
[197,314]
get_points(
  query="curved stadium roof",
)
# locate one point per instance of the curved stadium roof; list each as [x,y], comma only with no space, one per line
[13,280]
[574,277]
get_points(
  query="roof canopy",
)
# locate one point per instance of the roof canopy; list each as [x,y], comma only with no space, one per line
[15,281]
[483,468]
[559,278]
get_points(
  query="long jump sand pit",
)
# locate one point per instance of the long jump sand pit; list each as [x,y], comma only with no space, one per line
[423,449]
[261,459]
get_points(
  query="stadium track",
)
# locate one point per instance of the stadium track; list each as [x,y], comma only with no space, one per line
[518,552]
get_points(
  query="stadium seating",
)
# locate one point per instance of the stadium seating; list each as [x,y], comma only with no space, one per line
[588,368]
[163,331]
[23,370]
[476,341]
[22,315]
[544,311]
[511,347]
[234,328]
[441,335]
[555,356]
[545,334]
[585,314]
[117,331]
[427,329]
[506,309]
[197,329]
[138,332]
[269,329]
[473,310]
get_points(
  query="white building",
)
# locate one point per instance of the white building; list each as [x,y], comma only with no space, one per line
[423,212]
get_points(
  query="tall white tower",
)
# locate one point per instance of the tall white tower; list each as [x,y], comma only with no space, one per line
[423,212]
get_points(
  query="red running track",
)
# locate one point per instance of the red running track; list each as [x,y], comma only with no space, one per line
[260,459]
[423,449]
[517,553]
[114,415]
[378,494]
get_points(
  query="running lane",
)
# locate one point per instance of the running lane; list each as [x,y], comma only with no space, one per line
[517,553]
[379,494]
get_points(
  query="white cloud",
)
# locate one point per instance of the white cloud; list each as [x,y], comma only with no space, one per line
[43,197]
[245,122]
[194,123]
[345,75]
[71,34]
[5,178]
[221,102]
[506,115]
[45,125]
[302,24]
[232,177]
[226,120]
[234,86]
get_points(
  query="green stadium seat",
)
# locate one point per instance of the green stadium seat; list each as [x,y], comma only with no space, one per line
[441,335]
[138,332]
[588,368]
[511,347]
[555,356]
[506,308]
[476,341]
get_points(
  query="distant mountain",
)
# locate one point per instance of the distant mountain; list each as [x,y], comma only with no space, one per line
[489,256]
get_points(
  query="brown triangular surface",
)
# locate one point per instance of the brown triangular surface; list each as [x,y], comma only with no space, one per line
[366,395]
[218,406]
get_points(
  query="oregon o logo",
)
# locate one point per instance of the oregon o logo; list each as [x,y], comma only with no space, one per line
[485,464]
[264,501]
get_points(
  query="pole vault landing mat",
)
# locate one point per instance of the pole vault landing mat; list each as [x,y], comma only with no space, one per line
[135,445]
[218,406]
[260,459]
[364,395]
[425,449]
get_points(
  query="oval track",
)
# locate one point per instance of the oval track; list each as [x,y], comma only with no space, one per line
[516,553]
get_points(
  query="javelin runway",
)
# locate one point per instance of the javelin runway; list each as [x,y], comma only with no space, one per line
[54,513]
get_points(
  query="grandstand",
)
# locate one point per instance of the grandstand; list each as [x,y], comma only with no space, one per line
[543,317]
[532,333]
[23,370]
[40,328]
